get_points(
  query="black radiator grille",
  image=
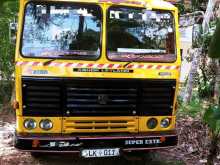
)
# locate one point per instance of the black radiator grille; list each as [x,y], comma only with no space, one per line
[97,97]
[107,97]
[42,98]
[157,98]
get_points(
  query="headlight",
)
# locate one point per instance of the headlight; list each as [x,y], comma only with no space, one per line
[152,123]
[30,124]
[165,123]
[46,124]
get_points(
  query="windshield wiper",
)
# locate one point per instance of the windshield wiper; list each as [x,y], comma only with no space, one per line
[140,55]
[49,62]
[127,64]
[60,55]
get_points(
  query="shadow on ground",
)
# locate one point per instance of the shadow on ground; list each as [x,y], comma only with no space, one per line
[71,159]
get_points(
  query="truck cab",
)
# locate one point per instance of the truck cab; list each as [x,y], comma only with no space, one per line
[96,77]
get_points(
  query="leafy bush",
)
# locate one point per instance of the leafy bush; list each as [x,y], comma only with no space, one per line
[205,90]
[192,109]
[6,88]
[181,7]
[8,13]
[212,119]
[213,42]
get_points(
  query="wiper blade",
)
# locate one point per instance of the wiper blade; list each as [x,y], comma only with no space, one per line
[60,55]
[140,55]
[127,64]
[49,62]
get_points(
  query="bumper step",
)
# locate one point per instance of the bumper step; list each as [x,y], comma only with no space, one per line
[77,143]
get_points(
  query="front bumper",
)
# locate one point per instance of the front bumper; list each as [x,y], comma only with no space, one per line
[75,143]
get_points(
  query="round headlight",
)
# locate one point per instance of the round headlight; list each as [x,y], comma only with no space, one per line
[46,124]
[165,123]
[30,124]
[152,123]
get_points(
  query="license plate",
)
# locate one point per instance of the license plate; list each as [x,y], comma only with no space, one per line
[97,153]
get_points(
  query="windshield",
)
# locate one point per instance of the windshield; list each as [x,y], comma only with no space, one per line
[140,35]
[62,30]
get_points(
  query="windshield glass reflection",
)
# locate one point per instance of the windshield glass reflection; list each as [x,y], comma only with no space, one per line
[61,30]
[140,35]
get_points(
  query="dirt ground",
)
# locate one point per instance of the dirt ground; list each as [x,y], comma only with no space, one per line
[192,149]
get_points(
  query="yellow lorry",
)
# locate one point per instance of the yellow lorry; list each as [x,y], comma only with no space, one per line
[98,78]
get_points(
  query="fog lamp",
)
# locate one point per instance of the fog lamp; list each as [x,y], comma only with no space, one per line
[152,123]
[46,124]
[30,124]
[165,123]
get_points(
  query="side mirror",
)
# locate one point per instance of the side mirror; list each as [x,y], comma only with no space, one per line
[13,32]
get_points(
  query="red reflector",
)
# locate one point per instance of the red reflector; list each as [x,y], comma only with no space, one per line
[163,139]
[35,143]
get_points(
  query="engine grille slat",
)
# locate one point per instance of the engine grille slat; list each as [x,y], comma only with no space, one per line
[43,88]
[156,101]
[97,112]
[99,89]
[99,106]
[95,100]
[97,94]
[44,100]
[94,124]
[31,105]
[44,94]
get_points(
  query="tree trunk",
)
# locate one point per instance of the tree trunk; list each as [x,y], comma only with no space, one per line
[217,81]
[205,28]
[208,15]
[192,74]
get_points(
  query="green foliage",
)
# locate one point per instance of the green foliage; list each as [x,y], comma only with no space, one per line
[5,91]
[207,38]
[214,48]
[212,118]
[205,90]
[181,8]
[192,109]
[8,13]
[198,5]
[201,39]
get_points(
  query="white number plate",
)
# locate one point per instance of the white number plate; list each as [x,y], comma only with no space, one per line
[94,153]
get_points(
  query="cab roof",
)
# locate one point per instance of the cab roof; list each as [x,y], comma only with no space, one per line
[160,4]
[150,3]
